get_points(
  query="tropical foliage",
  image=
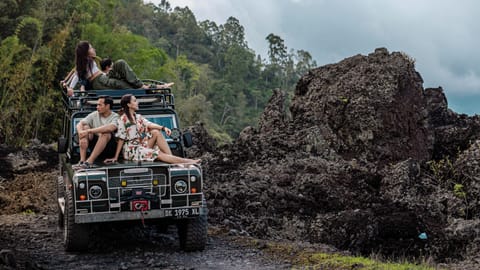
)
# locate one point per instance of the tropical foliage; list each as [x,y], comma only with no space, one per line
[218,79]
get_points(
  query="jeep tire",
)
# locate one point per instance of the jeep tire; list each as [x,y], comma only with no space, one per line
[192,233]
[60,194]
[76,236]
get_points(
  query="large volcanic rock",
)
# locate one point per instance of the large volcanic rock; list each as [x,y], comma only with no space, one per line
[364,164]
[453,132]
[372,107]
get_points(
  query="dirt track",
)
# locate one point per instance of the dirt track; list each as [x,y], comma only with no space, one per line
[31,239]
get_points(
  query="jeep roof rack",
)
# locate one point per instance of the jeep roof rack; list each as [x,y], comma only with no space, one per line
[148,98]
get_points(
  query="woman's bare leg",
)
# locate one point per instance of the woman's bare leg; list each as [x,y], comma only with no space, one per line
[176,160]
[159,140]
[165,154]
[83,144]
[164,86]
[158,86]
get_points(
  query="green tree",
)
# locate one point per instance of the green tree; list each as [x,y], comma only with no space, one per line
[238,62]
[195,109]
[14,75]
[27,96]
[185,73]
[305,62]
[232,33]
[164,6]
[210,64]
[13,12]
[29,31]
[277,51]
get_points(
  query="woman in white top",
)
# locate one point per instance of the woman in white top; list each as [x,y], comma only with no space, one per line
[90,76]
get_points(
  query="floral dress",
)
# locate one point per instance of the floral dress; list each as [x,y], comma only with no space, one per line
[135,136]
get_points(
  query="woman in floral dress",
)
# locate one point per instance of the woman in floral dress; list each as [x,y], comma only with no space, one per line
[142,139]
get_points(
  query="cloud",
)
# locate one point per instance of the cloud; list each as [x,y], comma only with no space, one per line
[440,34]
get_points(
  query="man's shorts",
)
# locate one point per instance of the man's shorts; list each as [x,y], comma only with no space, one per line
[109,150]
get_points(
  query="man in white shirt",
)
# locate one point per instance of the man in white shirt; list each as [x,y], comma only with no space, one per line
[96,132]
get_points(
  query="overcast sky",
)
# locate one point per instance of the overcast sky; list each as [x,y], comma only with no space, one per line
[441,35]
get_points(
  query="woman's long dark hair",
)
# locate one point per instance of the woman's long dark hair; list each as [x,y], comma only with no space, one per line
[83,63]
[124,110]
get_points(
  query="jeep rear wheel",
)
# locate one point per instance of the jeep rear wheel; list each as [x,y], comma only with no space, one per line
[76,236]
[192,233]
[60,196]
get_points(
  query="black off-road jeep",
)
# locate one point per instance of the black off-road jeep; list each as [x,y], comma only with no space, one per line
[129,191]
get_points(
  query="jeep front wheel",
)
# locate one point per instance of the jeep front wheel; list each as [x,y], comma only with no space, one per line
[76,236]
[192,233]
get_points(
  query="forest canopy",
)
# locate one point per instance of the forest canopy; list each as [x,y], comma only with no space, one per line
[219,80]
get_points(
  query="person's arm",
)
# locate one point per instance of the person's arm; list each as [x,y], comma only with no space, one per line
[73,82]
[108,128]
[121,137]
[81,127]
[66,82]
[151,125]
[85,124]
[117,152]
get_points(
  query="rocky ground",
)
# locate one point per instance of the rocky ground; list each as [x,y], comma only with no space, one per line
[33,242]
[31,239]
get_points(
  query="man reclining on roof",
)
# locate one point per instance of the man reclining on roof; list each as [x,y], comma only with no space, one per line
[106,65]
[120,77]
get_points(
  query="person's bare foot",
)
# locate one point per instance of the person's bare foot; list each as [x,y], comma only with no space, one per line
[166,85]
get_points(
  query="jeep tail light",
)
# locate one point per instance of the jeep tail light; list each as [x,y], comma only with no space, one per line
[83,197]
[193,190]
